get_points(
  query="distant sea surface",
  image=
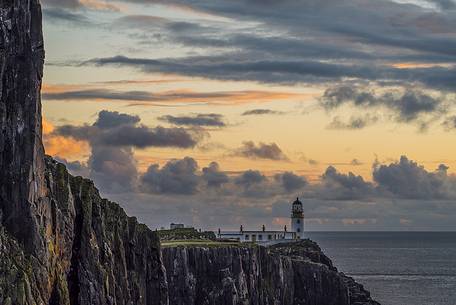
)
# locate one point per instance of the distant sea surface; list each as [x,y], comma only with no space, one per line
[398,268]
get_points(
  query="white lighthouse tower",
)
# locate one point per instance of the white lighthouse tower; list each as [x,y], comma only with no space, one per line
[297,219]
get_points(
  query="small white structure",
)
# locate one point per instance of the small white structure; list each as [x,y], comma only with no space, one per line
[173,226]
[267,236]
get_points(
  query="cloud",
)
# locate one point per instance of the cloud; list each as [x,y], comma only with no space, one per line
[56,145]
[276,67]
[445,4]
[110,119]
[412,104]
[406,106]
[336,185]
[211,197]
[379,43]
[112,137]
[313,162]
[262,112]
[267,71]
[261,151]
[76,168]
[211,120]
[397,43]
[176,177]
[143,137]
[99,94]
[62,3]
[213,176]
[406,179]
[450,123]
[81,4]
[116,129]
[443,169]
[285,71]
[64,15]
[356,162]
[355,122]
[113,170]
[66,93]
[250,178]
[66,147]
[290,181]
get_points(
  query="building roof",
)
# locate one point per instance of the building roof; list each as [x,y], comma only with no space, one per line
[254,232]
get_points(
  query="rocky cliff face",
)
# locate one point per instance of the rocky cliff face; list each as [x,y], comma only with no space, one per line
[61,243]
[94,253]
[22,155]
[286,274]
[108,257]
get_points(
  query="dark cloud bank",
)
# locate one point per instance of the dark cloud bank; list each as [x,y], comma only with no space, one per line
[363,45]
[401,193]
[400,190]
[347,41]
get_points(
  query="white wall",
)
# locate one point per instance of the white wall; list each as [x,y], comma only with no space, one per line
[260,236]
[297,225]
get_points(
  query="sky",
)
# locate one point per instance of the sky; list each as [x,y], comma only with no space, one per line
[221,113]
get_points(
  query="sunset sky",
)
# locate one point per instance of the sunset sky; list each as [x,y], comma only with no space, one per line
[220,113]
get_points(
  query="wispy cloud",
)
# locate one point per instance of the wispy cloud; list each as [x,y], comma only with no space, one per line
[404,106]
[206,120]
[139,97]
[262,112]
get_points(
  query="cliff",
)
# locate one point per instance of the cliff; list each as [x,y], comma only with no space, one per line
[285,274]
[110,257]
[61,243]
[94,253]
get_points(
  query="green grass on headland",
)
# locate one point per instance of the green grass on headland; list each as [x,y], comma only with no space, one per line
[185,234]
[204,243]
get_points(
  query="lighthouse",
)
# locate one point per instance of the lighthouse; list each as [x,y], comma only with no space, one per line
[297,219]
[272,237]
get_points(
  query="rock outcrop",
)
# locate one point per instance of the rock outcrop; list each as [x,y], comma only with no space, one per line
[285,274]
[62,244]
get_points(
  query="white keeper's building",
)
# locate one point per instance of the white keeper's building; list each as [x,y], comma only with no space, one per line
[265,236]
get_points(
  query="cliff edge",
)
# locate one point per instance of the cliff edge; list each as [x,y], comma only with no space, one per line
[61,243]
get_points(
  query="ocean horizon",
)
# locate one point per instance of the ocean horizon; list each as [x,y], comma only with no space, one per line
[398,268]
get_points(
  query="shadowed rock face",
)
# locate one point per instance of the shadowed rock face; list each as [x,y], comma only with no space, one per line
[62,244]
[287,274]
[22,154]
[94,252]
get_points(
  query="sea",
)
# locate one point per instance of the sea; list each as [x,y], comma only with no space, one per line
[398,268]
